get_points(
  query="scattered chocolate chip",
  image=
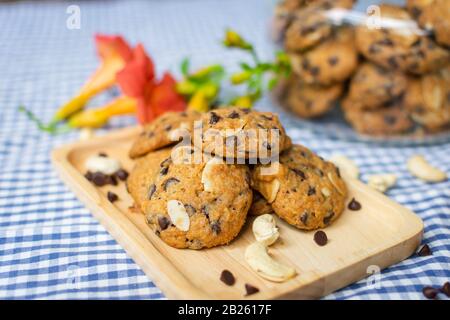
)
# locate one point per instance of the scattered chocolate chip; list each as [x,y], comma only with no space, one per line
[163,223]
[168,127]
[328,218]
[215,227]
[169,182]
[205,211]
[164,171]
[354,205]
[245,110]
[99,179]
[227,278]
[300,173]
[386,42]
[233,115]
[311,191]
[150,134]
[415,12]
[320,238]
[392,62]
[89,175]
[333,60]
[112,196]
[122,174]
[373,48]
[112,180]
[249,289]
[446,289]
[429,292]
[424,251]
[214,118]
[151,191]
[102,154]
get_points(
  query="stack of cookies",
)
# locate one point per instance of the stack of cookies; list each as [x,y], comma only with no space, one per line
[401,83]
[405,81]
[323,57]
[198,176]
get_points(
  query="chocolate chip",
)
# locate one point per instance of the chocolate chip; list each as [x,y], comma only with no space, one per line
[190,209]
[205,211]
[328,218]
[415,12]
[386,42]
[166,162]
[319,172]
[164,171]
[233,115]
[227,278]
[389,119]
[150,134]
[320,238]
[169,182]
[89,175]
[333,60]
[168,127]
[215,227]
[245,110]
[311,191]
[214,118]
[99,179]
[304,217]
[314,71]
[305,64]
[163,223]
[151,191]
[122,174]
[446,289]
[112,196]
[249,289]
[373,48]
[268,118]
[430,292]
[103,155]
[392,62]
[300,173]
[354,205]
[424,251]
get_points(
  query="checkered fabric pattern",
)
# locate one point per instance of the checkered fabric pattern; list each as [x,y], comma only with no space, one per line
[50,245]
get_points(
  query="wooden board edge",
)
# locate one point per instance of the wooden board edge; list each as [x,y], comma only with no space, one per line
[171,282]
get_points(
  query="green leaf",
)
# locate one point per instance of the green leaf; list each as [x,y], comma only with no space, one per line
[272,83]
[185,66]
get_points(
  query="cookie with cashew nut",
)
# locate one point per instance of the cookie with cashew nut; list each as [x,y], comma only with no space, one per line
[198,205]
[163,131]
[303,189]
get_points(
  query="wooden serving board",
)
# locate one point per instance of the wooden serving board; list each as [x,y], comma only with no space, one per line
[381,233]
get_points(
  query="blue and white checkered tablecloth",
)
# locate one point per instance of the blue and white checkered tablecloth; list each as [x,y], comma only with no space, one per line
[50,245]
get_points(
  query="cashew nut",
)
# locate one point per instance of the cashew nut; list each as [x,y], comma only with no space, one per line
[346,165]
[178,215]
[259,260]
[105,165]
[265,229]
[207,174]
[420,168]
[382,182]
[269,190]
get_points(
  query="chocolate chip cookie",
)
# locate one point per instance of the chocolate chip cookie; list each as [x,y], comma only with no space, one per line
[237,133]
[163,131]
[309,26]
[333,61]
[400,49]
[391,118]
[428,100]
[373,86]
[141,178]
[310,101]
[198,205]
[303,189]
[432,15]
